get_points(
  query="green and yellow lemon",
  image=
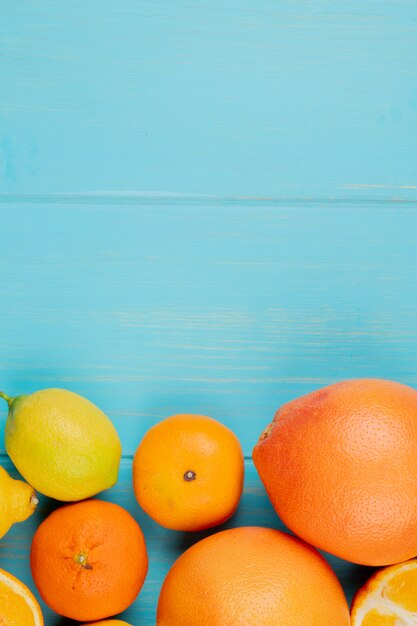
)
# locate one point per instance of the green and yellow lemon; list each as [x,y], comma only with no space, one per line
[62,444]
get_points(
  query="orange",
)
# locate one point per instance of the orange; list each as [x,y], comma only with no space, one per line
[188,472]
[251,577]
[389,598]
[18,605]
[340,468]
[89,560]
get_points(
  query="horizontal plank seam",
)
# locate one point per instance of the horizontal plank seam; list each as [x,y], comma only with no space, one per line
[168,198]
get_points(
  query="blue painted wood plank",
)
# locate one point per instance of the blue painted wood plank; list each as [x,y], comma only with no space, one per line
[266,98]
[163,546]
[226,309]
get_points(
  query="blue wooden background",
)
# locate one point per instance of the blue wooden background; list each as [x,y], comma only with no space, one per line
[205,207]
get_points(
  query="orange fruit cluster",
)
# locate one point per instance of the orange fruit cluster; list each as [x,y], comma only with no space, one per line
[339,466]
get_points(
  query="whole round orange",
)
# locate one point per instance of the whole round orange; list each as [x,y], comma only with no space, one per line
[247,576]
[89,560]
[188,472]
[340,468]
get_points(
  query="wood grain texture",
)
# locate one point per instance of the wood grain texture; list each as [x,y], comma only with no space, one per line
[307,97]
[226,309]
[207,207]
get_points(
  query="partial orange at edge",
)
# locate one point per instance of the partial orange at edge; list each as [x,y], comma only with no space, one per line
[19,605]
[389,598]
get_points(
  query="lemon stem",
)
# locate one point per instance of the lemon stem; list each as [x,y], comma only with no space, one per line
[34,500]
[6,397]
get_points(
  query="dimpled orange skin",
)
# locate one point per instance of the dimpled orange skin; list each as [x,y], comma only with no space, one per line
[89,560]
[340,468]
[251,576]
[188,472]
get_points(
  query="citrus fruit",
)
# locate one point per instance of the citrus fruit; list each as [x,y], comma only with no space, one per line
[389,598]
[62,444]
[188,472]
[89,560]
[18,605]
[251,577]
[340,468]
[17,501]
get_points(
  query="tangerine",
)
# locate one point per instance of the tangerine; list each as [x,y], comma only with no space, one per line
[89,560]
[188,472]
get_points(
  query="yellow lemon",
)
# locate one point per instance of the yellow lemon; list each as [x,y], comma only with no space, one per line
[17,501]
[62,444]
